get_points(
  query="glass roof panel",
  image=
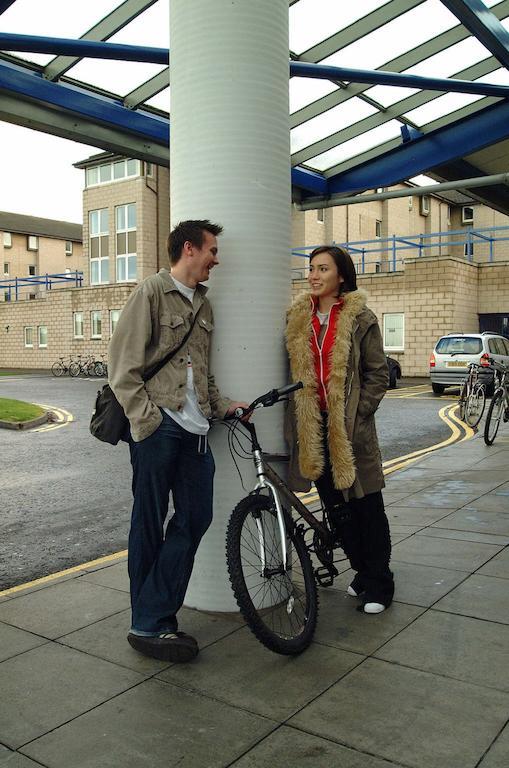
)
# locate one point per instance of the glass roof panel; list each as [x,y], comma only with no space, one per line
[312,21]
[304,90]
[348,149]
[150,28]
[333,120]
[54,18]
[161,100]
[439,107]
[114,75]
[396,37]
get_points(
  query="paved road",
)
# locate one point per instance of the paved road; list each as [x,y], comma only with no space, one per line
[66,497]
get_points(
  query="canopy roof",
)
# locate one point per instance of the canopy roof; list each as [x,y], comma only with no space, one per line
[380,90]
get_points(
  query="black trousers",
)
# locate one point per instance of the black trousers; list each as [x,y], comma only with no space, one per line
[363,529]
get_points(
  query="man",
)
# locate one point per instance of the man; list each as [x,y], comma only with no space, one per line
[168,417]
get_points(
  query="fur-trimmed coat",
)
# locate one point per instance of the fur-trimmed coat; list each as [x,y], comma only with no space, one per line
[357,382]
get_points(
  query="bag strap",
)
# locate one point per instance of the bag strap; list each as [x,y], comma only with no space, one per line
[147,376]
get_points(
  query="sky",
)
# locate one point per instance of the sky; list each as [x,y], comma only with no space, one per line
[39,167]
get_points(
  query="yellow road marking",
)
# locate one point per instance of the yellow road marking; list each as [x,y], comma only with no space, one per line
[63,417]
[59,574]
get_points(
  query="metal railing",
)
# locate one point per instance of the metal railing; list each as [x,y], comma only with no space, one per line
[15,286]
[388,254]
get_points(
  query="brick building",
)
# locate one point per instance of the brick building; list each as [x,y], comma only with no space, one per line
[126,214]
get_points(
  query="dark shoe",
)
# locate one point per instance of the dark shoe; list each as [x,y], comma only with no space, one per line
[168,646]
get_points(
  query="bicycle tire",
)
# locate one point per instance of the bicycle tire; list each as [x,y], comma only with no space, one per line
[98,369]
[74,369]
[462,402]
[57,369]
[90,369]
[475,405]
[495,412]
[287,625]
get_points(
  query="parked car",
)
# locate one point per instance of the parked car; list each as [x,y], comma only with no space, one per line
[449,361]
[394,372]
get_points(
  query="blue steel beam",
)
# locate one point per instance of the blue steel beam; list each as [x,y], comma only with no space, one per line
[481,22]
[310,181]
[83,48]
[29,85]
[436,148]
[101,50]
[378,77]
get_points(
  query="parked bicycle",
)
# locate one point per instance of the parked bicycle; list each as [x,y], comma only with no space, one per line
[472,397]
[499,406]
[268,550]
[101,367]
[60,368]
[83,365]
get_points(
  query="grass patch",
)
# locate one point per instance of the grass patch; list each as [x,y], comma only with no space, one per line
[17,410]
[7,373]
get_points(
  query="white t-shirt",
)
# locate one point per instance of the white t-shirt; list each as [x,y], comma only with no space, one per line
[190,417]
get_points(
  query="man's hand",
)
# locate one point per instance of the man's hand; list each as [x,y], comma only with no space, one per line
[233,407]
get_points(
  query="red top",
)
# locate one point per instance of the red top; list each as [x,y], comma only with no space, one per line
[322,354]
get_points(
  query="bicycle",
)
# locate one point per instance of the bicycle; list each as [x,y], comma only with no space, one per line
[269,561]
[472,400]
[499,406]
[60,368]
[101,367]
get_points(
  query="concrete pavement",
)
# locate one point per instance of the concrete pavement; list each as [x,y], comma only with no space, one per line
[424,685]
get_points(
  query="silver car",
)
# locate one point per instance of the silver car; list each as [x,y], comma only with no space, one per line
[449,361]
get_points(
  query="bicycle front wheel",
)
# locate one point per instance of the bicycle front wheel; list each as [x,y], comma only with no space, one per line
[279,604]
[74,369]
[57,369]
[495,412]
[475,405]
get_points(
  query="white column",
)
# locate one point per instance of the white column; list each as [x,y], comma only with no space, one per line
[230,163]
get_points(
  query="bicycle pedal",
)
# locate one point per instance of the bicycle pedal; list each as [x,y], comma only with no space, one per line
[325,576]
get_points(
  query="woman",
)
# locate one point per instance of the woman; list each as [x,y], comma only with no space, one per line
[335,349]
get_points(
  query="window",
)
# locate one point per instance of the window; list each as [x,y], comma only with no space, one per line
[379,190]
[31,270]
[32,243]
[115,171]
[125,240]
[77,321]
[149,169]
[99,254]
[448,209]
[29,336]
[67,270]
[6,268]
[42,332]
[31,296]
[459,345]
[68,247]
[7,295]
[467,215]
[378,228]
[7,240]
[410,203]
[319,215]
[114,315]
[468,249]
[425,205]
[96,324]
[394,332]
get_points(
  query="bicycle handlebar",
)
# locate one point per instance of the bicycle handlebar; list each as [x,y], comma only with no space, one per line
[268,399]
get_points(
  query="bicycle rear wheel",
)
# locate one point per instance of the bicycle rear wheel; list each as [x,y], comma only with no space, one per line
[475,405]
[495,412]
[74,369]
[57,369]
[280,605]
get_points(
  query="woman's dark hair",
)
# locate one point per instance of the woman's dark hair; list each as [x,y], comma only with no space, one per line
[344,265]
[192,231]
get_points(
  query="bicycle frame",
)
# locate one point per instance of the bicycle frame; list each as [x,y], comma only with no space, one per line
[268,478]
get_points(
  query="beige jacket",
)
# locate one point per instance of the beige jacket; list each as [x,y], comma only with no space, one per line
[357,382]
[154,321]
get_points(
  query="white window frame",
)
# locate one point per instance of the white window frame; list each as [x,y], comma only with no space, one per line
[378,228]
[113,323]
[7,240]
[149,169]
[74,318]
[125,257]
[95,314]
[425,205]
[112,180]
[42,345]
[99,234]
[29,344]
[386,319]
[68,247]
[464,218]
[410,203]
[32,243]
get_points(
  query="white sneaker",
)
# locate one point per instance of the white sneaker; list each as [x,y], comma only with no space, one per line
[374,608]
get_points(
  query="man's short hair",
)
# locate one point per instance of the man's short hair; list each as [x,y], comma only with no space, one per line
[191,231]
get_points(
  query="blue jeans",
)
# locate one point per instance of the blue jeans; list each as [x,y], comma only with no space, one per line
[160,563]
